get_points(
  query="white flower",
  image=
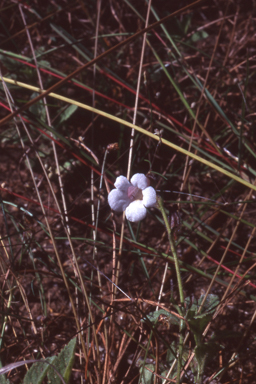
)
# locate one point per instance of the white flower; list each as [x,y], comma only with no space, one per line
[132,197]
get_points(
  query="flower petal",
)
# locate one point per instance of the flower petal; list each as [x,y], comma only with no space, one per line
[135,211]
[140,180]
[149,197]
[122,183]
[118,200]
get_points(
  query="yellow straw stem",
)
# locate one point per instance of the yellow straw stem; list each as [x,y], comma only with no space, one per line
[141,130]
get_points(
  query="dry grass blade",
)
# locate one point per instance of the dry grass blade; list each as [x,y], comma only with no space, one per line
[92,62]
[147,133]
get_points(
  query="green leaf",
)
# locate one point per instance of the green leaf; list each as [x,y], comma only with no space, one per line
[185,23]
[38,109]
[199,35]
[3,380]
[198,322]
[210,304]
[9,63]
[68,112]
[44,63]
[204,353]
[227,334]
[165,373]
[63,364]
[171,353]
[197,326]
[201,353]
[165,316]
[192,307]
[9,135]
[147,377]
[38,371]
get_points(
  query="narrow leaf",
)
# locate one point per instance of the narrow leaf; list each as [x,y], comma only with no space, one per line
[63,363]
[38,371]
[68,112]
[146,376]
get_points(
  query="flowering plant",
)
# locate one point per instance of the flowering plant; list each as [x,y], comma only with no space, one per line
[132,197]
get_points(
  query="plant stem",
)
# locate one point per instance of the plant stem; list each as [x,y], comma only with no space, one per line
[173,249]
[177,268]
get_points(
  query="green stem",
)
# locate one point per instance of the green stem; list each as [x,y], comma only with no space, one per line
[177,268]
[173,249]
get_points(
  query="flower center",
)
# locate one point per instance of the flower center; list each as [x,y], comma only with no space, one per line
[135,193]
